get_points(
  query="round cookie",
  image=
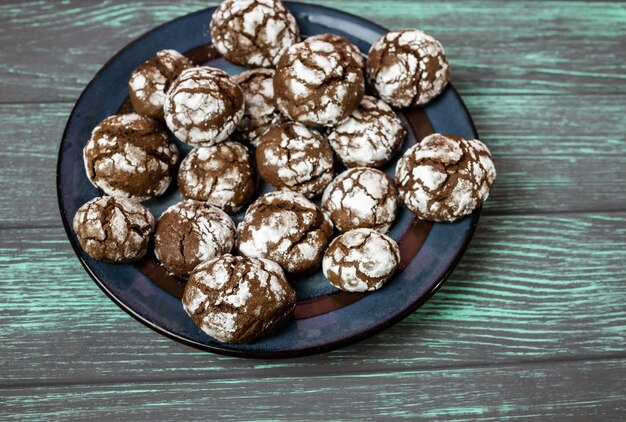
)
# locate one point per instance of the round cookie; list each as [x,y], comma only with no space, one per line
[150,81]
[342,43]
[317,84]
[222,175]
[130,156]
[236,299]
[203,106]
[370,137]
[113,229]
[261,113]
[192,232]
[361,197]
[292,156]
[445,177]
[287,228]
[407,68]
[360,260]
[253,33]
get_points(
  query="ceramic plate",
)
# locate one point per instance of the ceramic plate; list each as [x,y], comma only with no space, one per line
[325,318]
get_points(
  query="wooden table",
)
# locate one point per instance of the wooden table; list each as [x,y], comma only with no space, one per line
[531,325]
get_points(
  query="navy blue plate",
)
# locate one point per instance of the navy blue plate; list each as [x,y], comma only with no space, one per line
[325,318]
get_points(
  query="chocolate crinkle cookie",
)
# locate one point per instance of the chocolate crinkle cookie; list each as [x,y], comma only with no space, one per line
[130,156]
[292,156]
[342,43]
[317,83]
[407,68]
[253,33]
[113,229]
[287,228]
[260,113]
[222,174]
[203,106]
[236,299]
[361,260]
[370,137]
[445,177]
[361,197]
[192,232]
[150,81]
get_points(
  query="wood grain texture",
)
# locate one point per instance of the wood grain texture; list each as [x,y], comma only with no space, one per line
[515,47]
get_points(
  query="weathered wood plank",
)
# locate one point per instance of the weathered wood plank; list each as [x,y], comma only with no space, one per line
[592,390]
[529,288]
[512,47]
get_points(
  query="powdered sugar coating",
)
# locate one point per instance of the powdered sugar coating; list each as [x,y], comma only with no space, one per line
[361,197]
[407,68]
[360,260]
[370,136]
[343,43]
[204,106]
[445,177]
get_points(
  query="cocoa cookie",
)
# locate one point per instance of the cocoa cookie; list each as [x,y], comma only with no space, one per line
[222,174]
[291,156]
[261,113]
[342,43]
[113,229]
[236,299]
[445,177]
[192,232]
[370,137]
[407,68]
[203,106]
[287,228]
[150,81]
[318,84]
[361,197]
[130,156]
[361,260]
[253,33]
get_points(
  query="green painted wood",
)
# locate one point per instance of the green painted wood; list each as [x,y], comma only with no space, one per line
[494,48]
[530,288]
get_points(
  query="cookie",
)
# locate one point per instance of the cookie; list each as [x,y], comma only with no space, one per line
[150,81]
[204,106]
[287,228]
[407,68]
[130,156]
[370,137]
[113,229]
[361,197]
[291,156]
[361,260]
[253,33]
[317,84]
[236,299]
[222,175]
[445,177]
[342,43]
[192,232]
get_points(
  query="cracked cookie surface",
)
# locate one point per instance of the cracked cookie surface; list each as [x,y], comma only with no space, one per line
[342,43]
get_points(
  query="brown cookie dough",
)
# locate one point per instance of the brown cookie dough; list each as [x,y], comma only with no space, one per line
[150,81]
[130,156]
[292,156]
[261,113]
[253,33]
[370,137]
[287,228]
[222,174]
[342,43]
[361,260]
[445,177]
[361,197]
[192,232]
[113,229]
[318,84]
[407,68]
[236,299]
[203,106]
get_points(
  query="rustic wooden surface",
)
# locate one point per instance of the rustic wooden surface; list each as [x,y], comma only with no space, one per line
[531,325]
